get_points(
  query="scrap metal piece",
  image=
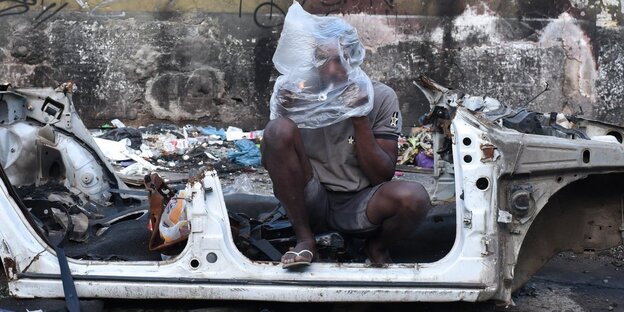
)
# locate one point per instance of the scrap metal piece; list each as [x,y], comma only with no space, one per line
[504,216]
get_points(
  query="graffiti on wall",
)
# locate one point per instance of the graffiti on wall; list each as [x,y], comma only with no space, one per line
[266,14]
[16,7]
[48,9]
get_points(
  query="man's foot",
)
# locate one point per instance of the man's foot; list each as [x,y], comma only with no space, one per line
[301,255]
[376,252]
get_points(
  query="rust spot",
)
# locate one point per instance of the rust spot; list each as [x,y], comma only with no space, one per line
[488,151]
[10,267]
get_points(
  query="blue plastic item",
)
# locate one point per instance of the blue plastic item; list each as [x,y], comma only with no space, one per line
[248,153]
[210,130]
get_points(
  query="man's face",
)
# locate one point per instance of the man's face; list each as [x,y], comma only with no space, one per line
[332,71]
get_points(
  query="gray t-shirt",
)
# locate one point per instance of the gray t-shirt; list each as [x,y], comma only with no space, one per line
[332,149]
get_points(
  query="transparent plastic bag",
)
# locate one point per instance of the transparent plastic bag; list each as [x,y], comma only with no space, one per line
[321,82]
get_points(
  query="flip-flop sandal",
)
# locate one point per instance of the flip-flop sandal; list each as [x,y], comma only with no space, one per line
[299,263]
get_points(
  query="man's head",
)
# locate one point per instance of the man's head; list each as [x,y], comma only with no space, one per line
[329,64]
[338,50]
[321,82]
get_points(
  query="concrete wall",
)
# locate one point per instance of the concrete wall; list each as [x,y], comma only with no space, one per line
[209,62]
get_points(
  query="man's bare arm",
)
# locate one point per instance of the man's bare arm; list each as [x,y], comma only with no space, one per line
[376,157]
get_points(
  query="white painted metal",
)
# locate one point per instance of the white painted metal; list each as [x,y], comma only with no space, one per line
[471,262]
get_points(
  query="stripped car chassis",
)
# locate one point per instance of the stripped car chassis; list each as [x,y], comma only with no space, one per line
[521,197]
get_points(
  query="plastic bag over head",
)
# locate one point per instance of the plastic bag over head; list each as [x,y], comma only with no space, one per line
[321,82]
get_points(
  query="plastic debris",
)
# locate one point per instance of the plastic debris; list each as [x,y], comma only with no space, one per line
[134,135]
[417,149]
[248,153]
[176,150]
[134,169]
[242,184]
[424,160]
[321,82]
[210,131]
[234,134]
[117,123]
[174,224]
[113,150]
[213,157]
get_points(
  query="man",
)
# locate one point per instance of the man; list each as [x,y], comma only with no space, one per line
[338,177]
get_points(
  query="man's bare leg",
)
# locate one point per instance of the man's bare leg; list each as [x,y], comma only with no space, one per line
[399,207]
[284,157]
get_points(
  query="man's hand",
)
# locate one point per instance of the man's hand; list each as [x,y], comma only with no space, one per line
[376,157]
[355,95]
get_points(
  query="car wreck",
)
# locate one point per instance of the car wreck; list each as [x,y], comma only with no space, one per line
[511,188]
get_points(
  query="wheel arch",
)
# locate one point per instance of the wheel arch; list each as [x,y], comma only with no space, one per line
[584,215]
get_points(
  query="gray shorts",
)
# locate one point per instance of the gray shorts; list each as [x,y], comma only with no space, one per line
[338,211]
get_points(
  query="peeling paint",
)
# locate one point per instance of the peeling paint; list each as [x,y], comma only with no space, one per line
[499,49]
[10,267]
[477,21]
[580,69]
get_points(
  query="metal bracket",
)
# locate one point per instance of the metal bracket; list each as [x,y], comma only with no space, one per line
[504,216]
[468,219]
[485,246]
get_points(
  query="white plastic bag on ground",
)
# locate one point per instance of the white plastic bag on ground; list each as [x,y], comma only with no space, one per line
[321,82]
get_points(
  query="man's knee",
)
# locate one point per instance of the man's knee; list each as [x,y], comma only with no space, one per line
[406,199]
[279,130]
[412,198]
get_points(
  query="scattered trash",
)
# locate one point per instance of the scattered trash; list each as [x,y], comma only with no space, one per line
[174,224]
[234,134]
[241,184]
[117,123]
[113,150]
[134,135]
[417,149]
[135,169]
[424,159]
[213,157]
[212,131]
[248,153]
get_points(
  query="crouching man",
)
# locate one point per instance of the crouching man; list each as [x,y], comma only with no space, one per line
[338,176]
